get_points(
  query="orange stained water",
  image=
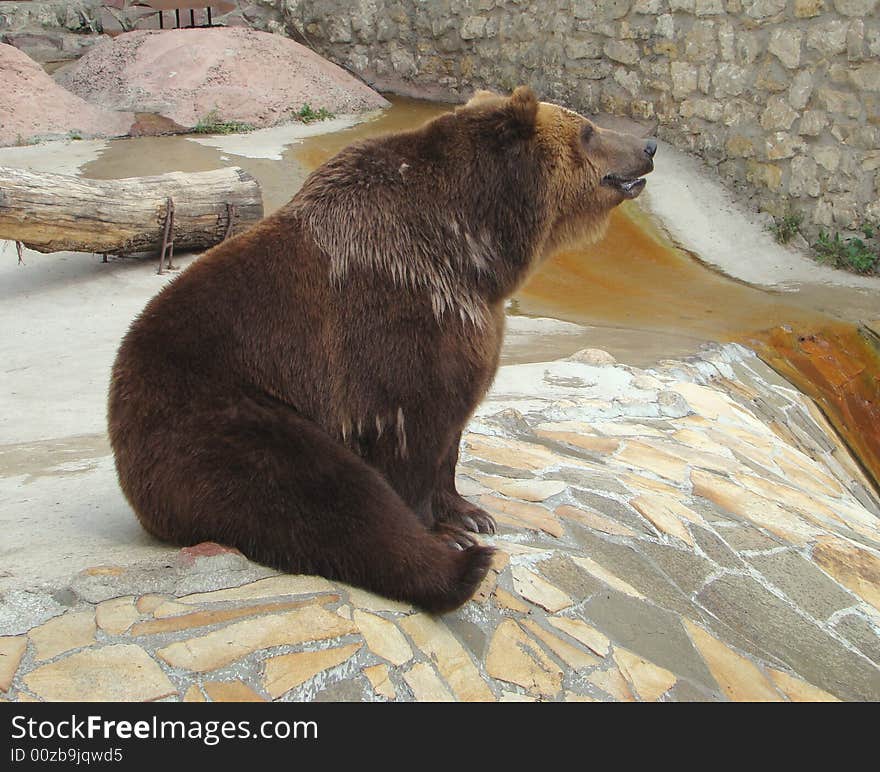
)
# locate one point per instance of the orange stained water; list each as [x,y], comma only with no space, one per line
[838,365]
[635,277]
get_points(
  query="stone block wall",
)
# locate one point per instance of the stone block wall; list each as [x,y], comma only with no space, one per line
[782,97]
[74,16]
[52,30]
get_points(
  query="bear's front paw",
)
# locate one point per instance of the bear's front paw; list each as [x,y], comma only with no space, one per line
[451,509]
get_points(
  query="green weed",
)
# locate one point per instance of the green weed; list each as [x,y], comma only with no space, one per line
[307,115]
[786,228]
[854,254]
[212,124]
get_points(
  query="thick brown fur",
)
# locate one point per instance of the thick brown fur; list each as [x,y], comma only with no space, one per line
[299,392]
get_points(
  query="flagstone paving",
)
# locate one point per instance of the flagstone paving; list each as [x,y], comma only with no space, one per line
[695,532]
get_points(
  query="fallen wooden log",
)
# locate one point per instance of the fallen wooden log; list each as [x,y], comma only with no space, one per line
[58,213]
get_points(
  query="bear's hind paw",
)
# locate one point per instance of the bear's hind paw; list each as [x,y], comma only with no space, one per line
[456,537]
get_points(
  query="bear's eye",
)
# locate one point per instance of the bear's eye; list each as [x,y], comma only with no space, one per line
[586,132]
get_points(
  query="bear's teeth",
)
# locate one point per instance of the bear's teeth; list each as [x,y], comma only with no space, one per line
[623,184]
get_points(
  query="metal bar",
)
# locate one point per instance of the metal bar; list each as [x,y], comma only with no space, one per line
[177,16]
[167,234]
[169,265]
[230,220]
[161,20]
[210,21]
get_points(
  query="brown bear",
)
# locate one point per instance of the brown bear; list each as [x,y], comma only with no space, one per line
[299,392]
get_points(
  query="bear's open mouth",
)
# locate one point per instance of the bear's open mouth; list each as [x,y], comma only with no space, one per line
[630,187]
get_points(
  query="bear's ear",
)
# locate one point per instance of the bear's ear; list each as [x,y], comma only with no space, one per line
[481,96]
[519,114]
[525,104]
[508,118]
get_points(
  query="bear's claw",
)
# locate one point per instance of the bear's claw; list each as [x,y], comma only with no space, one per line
[455,537]
[452,509]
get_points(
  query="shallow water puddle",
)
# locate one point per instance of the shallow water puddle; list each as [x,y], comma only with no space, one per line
[280,158]
[53,458]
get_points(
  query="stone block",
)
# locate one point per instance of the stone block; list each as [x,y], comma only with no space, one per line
[812,123]
[785,45]
[778,115]
[827,37]
[684,79]
[807,9]
[858,8]
[622,51]
[800,90]
[801,580]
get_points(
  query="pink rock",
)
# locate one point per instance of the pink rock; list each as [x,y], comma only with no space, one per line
[205,549]
[232,74]
[33,106]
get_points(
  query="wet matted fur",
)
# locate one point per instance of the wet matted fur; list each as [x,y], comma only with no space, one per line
[299,392]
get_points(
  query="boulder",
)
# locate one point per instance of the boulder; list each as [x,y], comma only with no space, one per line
[50,46]
[34,107]
[220,74]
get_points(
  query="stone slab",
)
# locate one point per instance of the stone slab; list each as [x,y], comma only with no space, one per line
[117,673]
[775,629]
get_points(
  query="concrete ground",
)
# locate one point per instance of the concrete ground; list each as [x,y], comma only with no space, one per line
[706,217]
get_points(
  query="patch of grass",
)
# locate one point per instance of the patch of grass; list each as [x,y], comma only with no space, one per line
[212,124]
[853,254]
[786,228]
[307,115]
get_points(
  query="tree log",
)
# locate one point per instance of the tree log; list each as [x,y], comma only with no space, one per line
[58,213]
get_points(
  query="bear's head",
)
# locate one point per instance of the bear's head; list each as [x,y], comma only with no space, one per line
[572,169]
